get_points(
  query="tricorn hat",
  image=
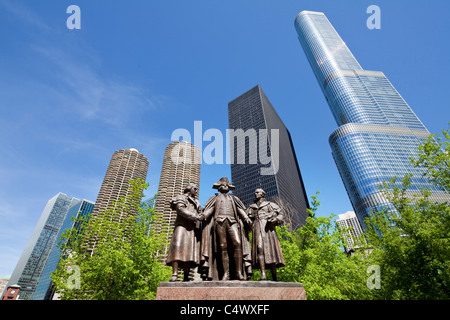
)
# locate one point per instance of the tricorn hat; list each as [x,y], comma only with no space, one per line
[223,181]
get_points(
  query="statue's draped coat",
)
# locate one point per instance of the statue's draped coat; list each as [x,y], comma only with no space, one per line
[186,238]
[271,245]
[209,245]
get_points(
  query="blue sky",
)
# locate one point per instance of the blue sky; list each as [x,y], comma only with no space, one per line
[138,70]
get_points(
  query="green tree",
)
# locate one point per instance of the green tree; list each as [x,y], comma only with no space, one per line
[434,156]
[410,240]
[124,262]
[315,257]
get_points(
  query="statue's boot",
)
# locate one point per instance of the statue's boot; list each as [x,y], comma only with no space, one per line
[226,266]
[174,278]
[186,272]
[174,272]
[274,272]
[262,266]
[239,264]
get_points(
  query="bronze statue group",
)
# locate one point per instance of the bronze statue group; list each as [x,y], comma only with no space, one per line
[216,238]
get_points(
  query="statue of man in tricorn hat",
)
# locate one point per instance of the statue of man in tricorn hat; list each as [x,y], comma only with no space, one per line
[225,243]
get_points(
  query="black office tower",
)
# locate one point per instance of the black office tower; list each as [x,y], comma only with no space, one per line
[262,156]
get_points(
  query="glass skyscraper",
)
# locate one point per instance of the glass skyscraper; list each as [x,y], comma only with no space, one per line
[377,130]
[278,175]
[30,267]
[80,209]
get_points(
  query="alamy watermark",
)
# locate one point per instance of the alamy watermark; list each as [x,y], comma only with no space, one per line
[74,280]
[74,20]
[374,21]
[263,147]
[374,281]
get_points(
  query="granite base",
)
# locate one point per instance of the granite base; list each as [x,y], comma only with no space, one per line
[230,290]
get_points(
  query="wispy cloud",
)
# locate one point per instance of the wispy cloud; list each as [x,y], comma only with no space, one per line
[24,14]
[81,87]
[86,92]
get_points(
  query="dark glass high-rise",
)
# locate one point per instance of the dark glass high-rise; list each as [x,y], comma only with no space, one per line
[270,162]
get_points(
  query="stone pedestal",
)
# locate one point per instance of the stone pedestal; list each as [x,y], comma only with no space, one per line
[230,290]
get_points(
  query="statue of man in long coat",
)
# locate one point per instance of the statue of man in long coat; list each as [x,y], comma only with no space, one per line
[266,249]
[184,250]
[225,242]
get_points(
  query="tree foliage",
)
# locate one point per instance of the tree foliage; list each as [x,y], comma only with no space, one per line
[124,263]
[434,156]
[315,257]
[411,239]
